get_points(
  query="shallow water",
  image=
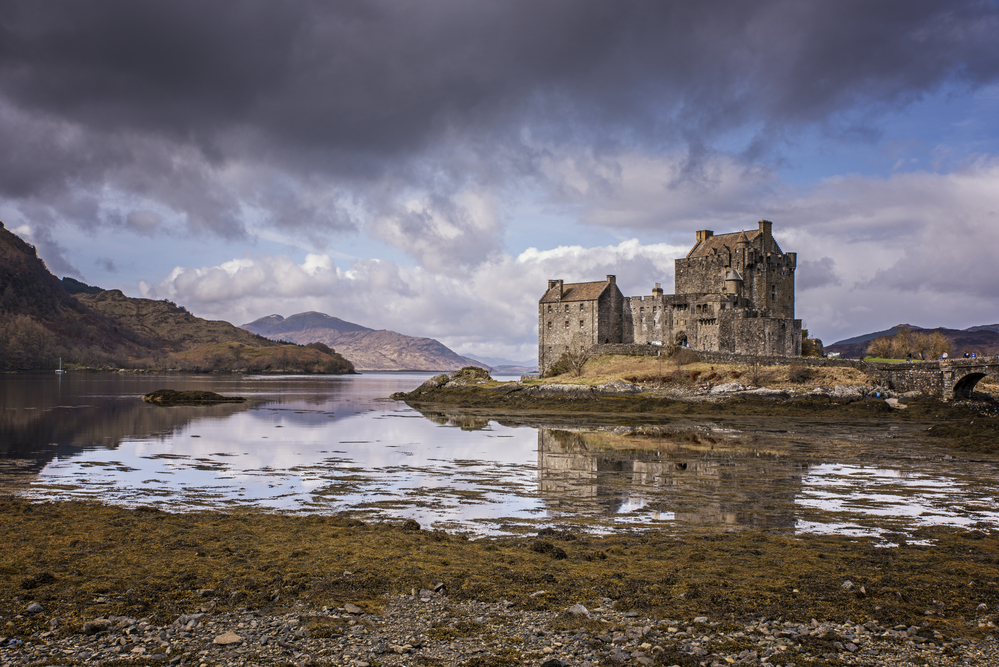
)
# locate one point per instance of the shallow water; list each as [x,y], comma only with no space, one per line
[336,444]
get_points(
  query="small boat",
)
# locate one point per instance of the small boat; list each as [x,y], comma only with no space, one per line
[59,370]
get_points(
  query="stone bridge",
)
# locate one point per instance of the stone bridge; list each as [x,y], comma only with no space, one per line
[948,378]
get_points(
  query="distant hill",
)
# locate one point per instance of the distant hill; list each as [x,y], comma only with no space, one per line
[40,322]
[982,339]
[43,320]
[368,349]
[167,325]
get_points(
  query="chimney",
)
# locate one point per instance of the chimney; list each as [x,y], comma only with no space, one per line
[612,280]
[704,234]
[766,229]
[558,284]
[657,290]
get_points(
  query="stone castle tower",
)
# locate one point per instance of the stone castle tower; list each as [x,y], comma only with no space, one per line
[733,293]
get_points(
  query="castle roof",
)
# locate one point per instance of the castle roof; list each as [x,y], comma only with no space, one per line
[721,243]
[727,242]
[577,292]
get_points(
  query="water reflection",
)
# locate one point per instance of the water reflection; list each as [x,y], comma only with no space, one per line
[665,474]
[336,444]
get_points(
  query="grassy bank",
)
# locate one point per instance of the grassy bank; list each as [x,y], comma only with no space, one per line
[82,561]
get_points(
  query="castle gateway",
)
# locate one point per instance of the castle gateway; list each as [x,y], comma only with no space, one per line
[734,293]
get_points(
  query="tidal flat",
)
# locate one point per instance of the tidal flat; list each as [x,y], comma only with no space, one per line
[82,561]
[319,523]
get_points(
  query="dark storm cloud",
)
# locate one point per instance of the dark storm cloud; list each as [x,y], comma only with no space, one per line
[193,105]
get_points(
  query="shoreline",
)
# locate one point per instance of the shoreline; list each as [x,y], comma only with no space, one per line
[144,586]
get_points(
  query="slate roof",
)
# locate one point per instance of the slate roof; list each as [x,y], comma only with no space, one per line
[576,292]
[725,243]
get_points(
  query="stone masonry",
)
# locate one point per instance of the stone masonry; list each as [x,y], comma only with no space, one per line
[733,293]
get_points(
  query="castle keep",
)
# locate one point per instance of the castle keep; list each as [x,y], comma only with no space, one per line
[733,293]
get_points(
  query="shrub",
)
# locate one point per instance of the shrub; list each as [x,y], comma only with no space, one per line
[571,362]
[798,373]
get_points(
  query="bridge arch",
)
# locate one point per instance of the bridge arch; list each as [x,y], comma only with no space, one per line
[964,386]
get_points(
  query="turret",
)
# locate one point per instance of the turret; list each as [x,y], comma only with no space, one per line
[733,283]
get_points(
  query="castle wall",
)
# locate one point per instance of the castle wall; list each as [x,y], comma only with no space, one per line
[753,313]
[565,326]
[646,318]
[700,275]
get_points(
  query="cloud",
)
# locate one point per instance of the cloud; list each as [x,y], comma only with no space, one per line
[489,307]
[46,247]
[811,274]
[302,116]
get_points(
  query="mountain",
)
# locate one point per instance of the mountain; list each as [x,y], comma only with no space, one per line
[275,326]
[165,324]
[368,349]
[43,320]
[982,339]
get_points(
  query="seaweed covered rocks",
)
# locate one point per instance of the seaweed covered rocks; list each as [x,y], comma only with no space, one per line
[167,397]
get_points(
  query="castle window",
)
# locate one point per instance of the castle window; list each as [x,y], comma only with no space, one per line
[581,306]
[549,308]
[567,324]
[642,309]
[581,324]
[549,325]
[567,308]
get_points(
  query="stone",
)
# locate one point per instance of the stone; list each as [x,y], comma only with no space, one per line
[96,625]
[352,609]
[727,388]
[227,639]
[618,387]
[847,585]
[701,619]
[35,608]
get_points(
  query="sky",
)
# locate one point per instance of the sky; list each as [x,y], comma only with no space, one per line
[427,167]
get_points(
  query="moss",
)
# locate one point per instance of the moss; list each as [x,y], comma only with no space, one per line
[166,397]
[114,561]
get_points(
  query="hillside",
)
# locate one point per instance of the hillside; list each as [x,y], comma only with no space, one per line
[368,349]
[43,320]
[982,339]
[165,324]
[40,322]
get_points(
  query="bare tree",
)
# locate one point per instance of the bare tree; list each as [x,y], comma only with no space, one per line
[576,361]
[938,345]
[921,343]
[881,348]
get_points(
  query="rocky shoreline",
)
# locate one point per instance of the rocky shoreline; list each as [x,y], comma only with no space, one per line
[91,584]
[429,628]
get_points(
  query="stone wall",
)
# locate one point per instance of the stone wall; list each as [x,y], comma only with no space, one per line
[945,379]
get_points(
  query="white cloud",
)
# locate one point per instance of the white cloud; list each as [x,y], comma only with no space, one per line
[490,308]
[873,252]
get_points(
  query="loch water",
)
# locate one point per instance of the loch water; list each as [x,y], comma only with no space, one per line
[339,444]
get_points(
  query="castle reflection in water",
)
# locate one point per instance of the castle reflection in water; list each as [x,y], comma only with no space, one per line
[692,476]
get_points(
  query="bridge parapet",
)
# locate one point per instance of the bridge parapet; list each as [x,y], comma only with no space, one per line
[947,378]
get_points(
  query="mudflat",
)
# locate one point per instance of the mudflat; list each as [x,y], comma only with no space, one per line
[86,583]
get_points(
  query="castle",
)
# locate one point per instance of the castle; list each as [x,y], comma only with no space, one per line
[734,293]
